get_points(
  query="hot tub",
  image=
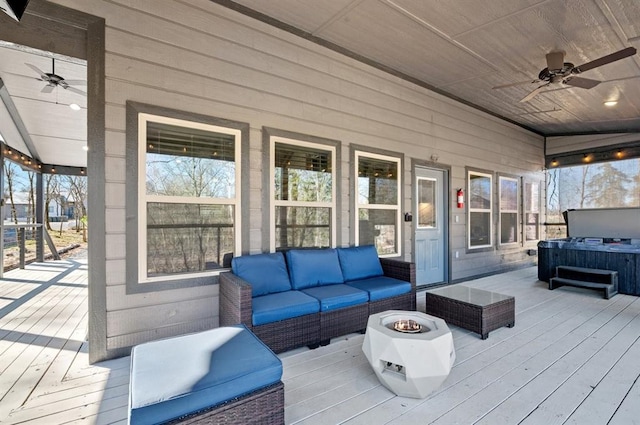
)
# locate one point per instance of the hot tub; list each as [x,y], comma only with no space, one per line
[621,255]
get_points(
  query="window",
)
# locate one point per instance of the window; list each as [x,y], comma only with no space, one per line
[188,193]
[303,194]
[480,190]
[508,196]
[531,211]
[614,184]
[378,202]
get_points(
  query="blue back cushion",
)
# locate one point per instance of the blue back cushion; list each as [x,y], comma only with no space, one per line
[359,262]
[267,273]
[313,267]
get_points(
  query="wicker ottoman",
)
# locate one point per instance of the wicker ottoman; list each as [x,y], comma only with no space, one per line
[222,376]
[474,309]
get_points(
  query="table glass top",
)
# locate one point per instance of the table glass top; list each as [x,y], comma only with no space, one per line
[470,295]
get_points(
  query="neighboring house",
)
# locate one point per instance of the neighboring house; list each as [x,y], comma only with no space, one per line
[63,209]
[268,106]
[20,204]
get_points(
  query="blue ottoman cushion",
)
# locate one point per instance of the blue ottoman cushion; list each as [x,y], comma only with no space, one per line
[333,297]
[267,273]
[382,287]
[313,267]
[178,376]
[359,262]
[283,305]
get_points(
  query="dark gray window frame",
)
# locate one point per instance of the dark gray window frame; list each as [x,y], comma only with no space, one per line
[267,134]
[132,163]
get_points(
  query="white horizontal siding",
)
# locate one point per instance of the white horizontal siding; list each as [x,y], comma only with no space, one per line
[199,57]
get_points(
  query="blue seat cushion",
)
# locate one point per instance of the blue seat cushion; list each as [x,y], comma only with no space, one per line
[267,273]
[333,297]
[359,262]
[382,287]
[283,305]
[177,376]
[313,267]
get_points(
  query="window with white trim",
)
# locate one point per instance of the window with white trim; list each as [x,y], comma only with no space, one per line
[303,198]
[531,211]
[188,197]
[509,196]
[378,218]
[480,211]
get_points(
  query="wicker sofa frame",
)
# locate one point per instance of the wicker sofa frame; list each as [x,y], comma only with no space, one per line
[263,407]
[311,329]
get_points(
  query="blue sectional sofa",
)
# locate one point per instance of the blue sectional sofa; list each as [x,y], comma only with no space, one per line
[305,297]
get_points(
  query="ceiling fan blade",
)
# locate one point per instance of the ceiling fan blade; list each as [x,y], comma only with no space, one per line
[583,83]
[47,89]
[616,56]
[76,82]
[521,83]
[555,61]
[38,71]
[75,90]
[533,93]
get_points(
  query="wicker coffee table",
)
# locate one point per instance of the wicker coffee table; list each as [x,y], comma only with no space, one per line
[474,309]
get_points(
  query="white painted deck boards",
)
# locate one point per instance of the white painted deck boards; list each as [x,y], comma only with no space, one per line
[572,358]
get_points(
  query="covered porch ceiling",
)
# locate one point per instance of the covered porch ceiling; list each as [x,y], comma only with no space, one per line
[465,49]
[35,117]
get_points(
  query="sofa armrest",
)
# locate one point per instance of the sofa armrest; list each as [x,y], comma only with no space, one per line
[235,300]
[399,269]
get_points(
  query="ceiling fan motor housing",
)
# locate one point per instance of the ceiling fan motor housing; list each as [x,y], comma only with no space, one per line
[556,75]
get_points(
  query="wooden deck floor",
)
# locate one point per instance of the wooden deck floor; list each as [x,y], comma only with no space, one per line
[572,358]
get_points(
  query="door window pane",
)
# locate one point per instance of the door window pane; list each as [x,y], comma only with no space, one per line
[427,203]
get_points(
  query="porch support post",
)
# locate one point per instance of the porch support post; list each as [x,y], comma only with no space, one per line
[39,218]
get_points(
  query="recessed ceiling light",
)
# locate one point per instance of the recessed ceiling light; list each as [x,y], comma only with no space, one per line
[85,148]
[75,106]
[610,103]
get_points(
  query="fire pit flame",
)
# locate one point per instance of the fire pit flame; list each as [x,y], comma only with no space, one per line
[407,325]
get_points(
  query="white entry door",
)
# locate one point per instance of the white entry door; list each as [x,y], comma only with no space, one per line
[430,226]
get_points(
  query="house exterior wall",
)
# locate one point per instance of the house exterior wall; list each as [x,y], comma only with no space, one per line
[198,57]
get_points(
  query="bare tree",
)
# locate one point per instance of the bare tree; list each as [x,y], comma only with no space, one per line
[31,215]
[78,190]
[10,174]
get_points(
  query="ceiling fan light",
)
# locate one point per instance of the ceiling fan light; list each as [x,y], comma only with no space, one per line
[75,106]
[610,103]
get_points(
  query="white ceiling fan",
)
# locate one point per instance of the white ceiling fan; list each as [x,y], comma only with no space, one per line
[53,80]
[560,72]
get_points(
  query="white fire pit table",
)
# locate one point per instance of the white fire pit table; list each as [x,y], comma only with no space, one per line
[411,352]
